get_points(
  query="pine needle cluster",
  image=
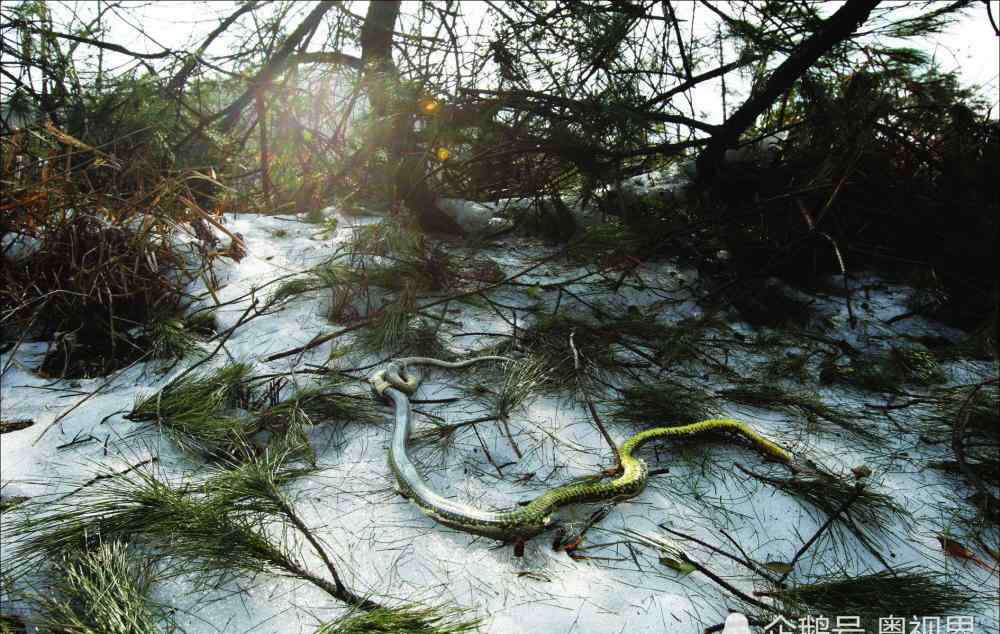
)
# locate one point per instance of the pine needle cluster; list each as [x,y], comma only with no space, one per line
[225,414]
[103,589]
[205,413]
[910,591]
[795,402]
[413,619]
[664,403]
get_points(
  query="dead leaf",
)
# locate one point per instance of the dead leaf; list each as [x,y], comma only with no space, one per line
[861,471]
[678,564]
[779,566]
[958,550]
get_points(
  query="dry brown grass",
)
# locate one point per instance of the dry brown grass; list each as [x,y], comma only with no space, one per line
[103,263]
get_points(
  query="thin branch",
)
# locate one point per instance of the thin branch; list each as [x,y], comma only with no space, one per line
[746,561]
[739,593]
[697,79]
[833,30]
[680,39]
[178,80]
[275,65]
[88,397]
[326,57]
[86,40]
[105,476]
[859,489]
[590,403]
[321,339]
[299,524]
[993,21]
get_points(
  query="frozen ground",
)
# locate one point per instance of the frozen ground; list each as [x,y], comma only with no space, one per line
[387,549]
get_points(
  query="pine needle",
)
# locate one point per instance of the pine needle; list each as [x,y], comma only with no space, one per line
[911,591]
[412,619]
[519,382]
[664,403]
[203,412]
[829,492]
[796,403]
[232,522]
[887,372]
[101,590]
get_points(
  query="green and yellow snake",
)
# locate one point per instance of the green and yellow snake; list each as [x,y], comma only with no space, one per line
[398,380]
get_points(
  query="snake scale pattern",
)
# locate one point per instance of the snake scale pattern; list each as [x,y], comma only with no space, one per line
[400,378]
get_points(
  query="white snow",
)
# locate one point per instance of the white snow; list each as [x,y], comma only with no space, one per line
[17,246]
[387,548]
[473,217]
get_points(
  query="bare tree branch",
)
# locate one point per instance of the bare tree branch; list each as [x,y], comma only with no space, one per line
[834,30]
[178,80]
[277,64]
[87,40]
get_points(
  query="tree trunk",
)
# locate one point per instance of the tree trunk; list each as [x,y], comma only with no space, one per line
[407,162]
[376,35]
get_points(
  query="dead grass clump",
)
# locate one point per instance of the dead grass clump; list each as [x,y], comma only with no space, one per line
[94,284]
[93,266]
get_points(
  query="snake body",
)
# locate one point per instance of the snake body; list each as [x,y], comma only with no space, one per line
[397,380]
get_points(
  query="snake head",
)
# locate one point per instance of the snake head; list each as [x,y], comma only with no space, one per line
[403,377]
[379,383]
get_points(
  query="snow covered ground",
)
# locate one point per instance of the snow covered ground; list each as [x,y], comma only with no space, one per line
[387,549]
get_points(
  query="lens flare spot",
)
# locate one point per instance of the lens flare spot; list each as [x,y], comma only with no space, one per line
[429,106]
